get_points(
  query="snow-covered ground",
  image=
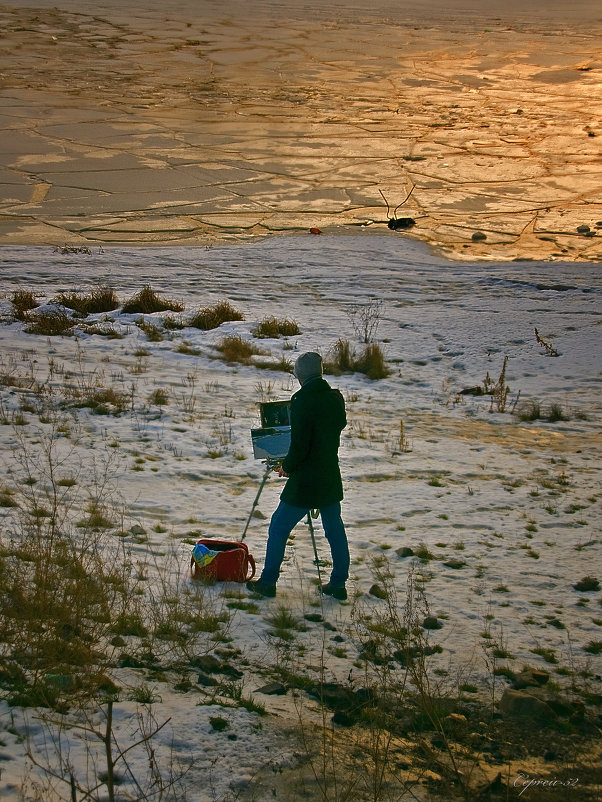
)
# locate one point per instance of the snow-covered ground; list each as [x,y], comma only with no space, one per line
[514,505]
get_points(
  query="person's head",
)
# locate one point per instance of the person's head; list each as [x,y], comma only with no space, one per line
[308,366]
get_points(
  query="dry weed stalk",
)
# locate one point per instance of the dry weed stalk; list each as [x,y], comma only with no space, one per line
[107,766]
[499,391]
[69,598]
[548,348]
[181,620]
[365,320]
[359,760]
[60,579]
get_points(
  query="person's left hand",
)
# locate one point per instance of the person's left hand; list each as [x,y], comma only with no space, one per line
[282,472]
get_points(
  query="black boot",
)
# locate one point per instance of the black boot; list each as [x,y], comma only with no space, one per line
[336,593]
[261,587]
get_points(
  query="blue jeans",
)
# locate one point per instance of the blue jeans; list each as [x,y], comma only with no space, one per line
[281,525]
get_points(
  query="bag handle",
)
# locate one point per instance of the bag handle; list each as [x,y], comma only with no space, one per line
[253,568]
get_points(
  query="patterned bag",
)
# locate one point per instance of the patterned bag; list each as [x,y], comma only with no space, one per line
[221,560]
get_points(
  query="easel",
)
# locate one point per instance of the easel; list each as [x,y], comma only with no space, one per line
[270,465]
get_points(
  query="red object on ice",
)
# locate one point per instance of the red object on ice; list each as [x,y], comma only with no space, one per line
[315,230]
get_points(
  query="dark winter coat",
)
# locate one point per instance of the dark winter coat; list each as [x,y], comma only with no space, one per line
[312,463]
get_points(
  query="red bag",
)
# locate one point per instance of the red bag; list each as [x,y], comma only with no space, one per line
[231,564]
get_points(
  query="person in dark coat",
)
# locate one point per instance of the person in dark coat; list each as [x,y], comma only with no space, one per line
[314,478]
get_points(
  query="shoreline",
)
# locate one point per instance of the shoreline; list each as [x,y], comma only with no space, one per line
[433,252]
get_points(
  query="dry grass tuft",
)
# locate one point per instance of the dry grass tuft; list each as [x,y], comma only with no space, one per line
[102,330]
[103,401]
[342,358]
[101,299]
[7,498]
[159,397]
[23,301]
[530,411]
[154,333]
[50,324]
[235,349]
[210,317]
[370,362]
[147,301]
[283,364]
[271,327]
[172,323]
[58,598]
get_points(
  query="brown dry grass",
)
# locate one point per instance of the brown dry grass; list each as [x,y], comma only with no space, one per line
[147,301]
[210,317]
[235,349]
[271,327]
[101,299]
[23,301]
[370,362]
[50,324]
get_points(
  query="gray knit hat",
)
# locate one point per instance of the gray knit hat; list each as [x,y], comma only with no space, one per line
[308,366]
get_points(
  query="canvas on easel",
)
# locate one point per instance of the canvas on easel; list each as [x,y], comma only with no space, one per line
[271,442]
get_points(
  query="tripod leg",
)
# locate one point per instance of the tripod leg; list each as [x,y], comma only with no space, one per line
[261,486]
[313,541]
